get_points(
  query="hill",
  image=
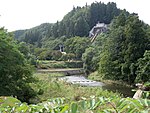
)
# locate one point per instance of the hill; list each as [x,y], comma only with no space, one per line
[77,22]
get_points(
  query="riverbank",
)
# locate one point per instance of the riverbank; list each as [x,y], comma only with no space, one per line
[64,71]
[57,95]
[52,87]
[115,86]
[95,76]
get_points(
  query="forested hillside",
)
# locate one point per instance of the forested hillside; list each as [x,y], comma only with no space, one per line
[33,35]
[77,22]
[122,53]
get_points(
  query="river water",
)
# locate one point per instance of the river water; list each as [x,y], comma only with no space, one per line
[83,81]
[76,77]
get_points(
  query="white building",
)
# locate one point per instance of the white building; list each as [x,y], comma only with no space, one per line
[97,29]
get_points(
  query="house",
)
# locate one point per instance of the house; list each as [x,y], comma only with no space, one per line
[97,29]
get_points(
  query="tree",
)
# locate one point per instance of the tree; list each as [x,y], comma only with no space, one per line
[91,56]
[143,68]
[81,27]
[56,55]
[134,45]
[15,72]
[55,29]
[90,60]
[68,57]
[77,46]
[126,44]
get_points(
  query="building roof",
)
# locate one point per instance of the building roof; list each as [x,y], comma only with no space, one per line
[97,28]
[98,25]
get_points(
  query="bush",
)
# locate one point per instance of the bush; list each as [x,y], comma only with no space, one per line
[60,64]
[86,105]
[16,73]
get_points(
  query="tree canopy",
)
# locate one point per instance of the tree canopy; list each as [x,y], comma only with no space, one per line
[77,46]
[15,71]
[127,42]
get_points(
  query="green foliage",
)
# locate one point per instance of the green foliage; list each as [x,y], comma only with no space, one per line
[59,64]
[127,43]
[90,61]
[92,105]
[51,64]
[56,55]
[53,87]
[34,35]
[46,54]
[52,43]
[77,46]
[74,64]
[68,57]
[25,49]
[94,76]
[143,68]
[15,71]
[81,27]
[91,56]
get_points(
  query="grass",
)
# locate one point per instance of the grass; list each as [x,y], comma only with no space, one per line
[44,64]
[95,76]
[119,86]
[52,87]
[44,76]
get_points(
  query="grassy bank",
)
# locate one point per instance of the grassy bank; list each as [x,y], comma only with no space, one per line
[119,86]
[59,64]
[51,87]
[57,96]
[95,76]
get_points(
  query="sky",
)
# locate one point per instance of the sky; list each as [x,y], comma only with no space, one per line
[25,14]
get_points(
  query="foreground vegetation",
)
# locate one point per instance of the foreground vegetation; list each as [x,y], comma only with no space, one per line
[86,105]
[72,99]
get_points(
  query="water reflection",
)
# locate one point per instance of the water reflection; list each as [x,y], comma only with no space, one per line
[126,91]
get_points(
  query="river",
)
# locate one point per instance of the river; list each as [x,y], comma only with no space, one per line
[83,81]
[76,76]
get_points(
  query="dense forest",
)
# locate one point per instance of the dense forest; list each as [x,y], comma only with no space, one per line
[122,53]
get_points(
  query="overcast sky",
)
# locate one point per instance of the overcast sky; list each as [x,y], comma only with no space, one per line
[24,14]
